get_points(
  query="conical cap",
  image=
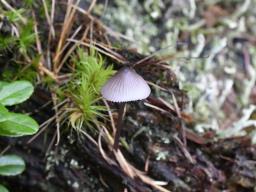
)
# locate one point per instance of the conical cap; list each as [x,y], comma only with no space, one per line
[126,85]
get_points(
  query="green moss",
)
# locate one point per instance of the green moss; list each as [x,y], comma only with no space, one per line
[27,38]
[7,42]
[88,78]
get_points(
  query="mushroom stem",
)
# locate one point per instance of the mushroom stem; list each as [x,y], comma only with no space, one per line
[119,125]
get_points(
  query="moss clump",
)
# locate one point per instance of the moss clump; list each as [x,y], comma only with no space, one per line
[84,88]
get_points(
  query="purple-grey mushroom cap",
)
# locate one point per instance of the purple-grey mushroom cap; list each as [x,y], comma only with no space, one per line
[126,85]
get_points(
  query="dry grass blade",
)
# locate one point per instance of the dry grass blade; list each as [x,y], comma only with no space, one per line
[110,116]
[67,55]
[152,183]
[57,118]
[156,86]
[38,42]
[49,73]
[46,123]
[133,172]
[102,152]
[49,19]
[52,15]
[177,109]
[93,3]
[107,29]
[128,168]
[155,107]
[42,128]
[146,166]
[96,48]
[155,54]
[89,137]
[75,33]
[8,6]
[184,150]
[51,143]
[7,148]
[123,163]
[167,104]
[108,138]
[109,50]
[66,28]
[41,66]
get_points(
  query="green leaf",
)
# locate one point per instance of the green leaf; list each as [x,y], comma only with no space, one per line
[18,125]
[16,92]
[11,165]
[3,189]
[4,114]
[2,84]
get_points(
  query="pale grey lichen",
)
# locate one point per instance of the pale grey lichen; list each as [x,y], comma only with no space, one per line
[209,65]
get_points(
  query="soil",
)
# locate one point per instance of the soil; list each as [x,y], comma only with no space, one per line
[160,144]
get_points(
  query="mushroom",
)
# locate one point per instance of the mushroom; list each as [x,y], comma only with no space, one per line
[126,85]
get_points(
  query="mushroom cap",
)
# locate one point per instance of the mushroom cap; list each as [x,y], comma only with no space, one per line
[126,85]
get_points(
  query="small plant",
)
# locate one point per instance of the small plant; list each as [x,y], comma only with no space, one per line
[10,165]
[17,39]
[89,76]
[3,189]
[14,124]
[14,32]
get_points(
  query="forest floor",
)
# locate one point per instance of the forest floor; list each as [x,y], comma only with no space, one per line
[195,132]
